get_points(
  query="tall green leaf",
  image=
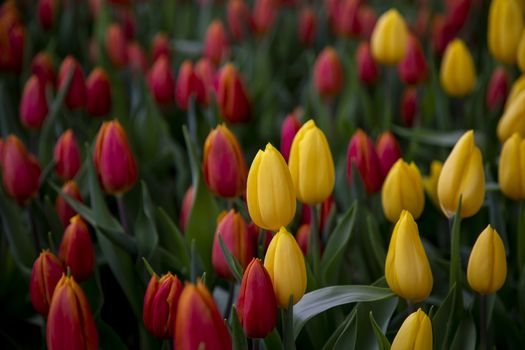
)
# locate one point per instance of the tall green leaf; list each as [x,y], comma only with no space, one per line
[145,228]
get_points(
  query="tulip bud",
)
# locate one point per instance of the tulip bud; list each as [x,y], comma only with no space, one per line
[512,119]
[239,19]
[20,170]
[368,20]
[422,22]
[413,68]
[521,52]
[137,59]
[409,106]
[264,12]
[64,211]
[116,45]
[42,67]
[430,183]
[216,46]
[76,94]
[46,13]
[307,26]
[206,73]
[160,305]
[188,84]
[303,236]
[389,38]
[98,93]
[457,74]
[517,87]
[70,311]
[347,18]
[458,12]
[114,161]
[161,81]
[497,89]
[223,164]
[67,156]
[285,264]
[12,43]
[33,105]
[407,269]
[511,161]
[362,152]
[328,73]
[198,322]
[415,333]
[256,304]
[47,271]
[442,34]
[462,175]
[367,68]
[187,204]
[505,24]
[388,151]
[289,128]
[76,249]
[311,165]
[270,191]
[160,46]
[232,97]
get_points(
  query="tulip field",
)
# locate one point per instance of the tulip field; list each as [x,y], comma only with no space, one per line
[262,174]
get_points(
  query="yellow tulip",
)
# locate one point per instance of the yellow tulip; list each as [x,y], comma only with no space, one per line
[521,52]
[389,38]
[311,165]
[415,333]
[403,190]
[285,264]
[457,74]
[512,168]
[504,29]
[517,87]
[430,182]
[487,265]
[513,119]
[270,193]
[462,175]
[407,269]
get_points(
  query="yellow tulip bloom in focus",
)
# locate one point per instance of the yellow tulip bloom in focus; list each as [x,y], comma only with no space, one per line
[415,333]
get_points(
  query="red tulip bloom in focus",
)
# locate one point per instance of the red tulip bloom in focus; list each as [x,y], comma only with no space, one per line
[161,81]
[42,67]
[188,85]
[497,89]
[187,204]
[413,68]
[116,45]
[47,271]
[76,94]
[98,92]
[76,249]
[264,13]
[46,13]
[33,105]
[160,46]
[64,211]
[388,151]
[328,73]
[367,68]
[232,98]
[216,46]
[239,19]
[67,156]
[289,128]
[307,26]
[409,106]
[362,152]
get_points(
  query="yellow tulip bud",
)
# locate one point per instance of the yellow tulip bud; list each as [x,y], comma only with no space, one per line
[521,52]
[415,333]
[504,29]
[517,87]
[407,269]
[462,175]
[513,119]
[285,264]
[457,74]
[430,182]
[512,167]
[403,190]
[389,38]
[270,193]
[311,165]
[487,265]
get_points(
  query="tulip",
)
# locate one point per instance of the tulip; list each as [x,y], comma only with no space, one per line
[206,73]
[389,38]
[328,73]
[505,24]
[232,98]
[512,119]
[160,46]
[347,18]
[362,152]
[497,89]
[457,74]
[187,204]
[311,165]
[12,44]
[442,34]
[76,94]
[511,166]
[521,52]
[216,46]
[98,93]
[256,304]
[487,265]
[403,190]
[307,26]
[64,211]
[264,13]
[289,128]
[270,191]
[76,249]
[42,67]
[161,81]
[367,68]
[422,22]
[409,106]
[46,13]
[116,45]
[517,87]
[413,68]
[407,269]
[47,271]
[415,333]
[137,59]
[239,19]
[33,105]
[20,170]
[457,14]
[303,237]
[70,322]
[388,151]
[160,305]
[430,183]
[127,20]
[188,85]
[114,161]
[462,175]
[67,156]
[198,322]
[368,20]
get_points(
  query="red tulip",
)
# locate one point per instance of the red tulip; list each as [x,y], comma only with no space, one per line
[137,59]
[332,9]
[368,19]
[367,68]
[47,271]
[442,34]
[12,40]
[348,20]
[98,93]
[216,46]
[46,13]
[64,211]
[497,89]
[127,20]
[116,45]
[76,95]
[413,68]
[289,128]
[239,19]
[33,105]
[421,24]
[67,156]
[328,73]
[388,151]
[206,73]
[458,12]
[264,13]
[361,151]
[302,237]
[307,26]
[188,85]
[161,81]
[160,46]
[187,204]
[409,106]
[76,249]
[232,98]
[42,67]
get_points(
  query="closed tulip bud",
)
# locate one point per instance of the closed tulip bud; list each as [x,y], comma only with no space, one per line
[64,211]
[160,305]
[303,237]
[20,170]
[206,73]
[362,152]
[517,87]
[497,89]
[458,12]
[368,20]
[216,46]
[33,105]
[188,85]
[289,128]
[264,13]
[161,81]
[512,119]
[160,46]
[12,44]
[114,161]
[47,271]
[389,38]
[187,204]
[70,311]
[521,52]
[67,156]
[270,191]
[239,19]
[137,60]
[388,151]
[462,175]
[98,93]
[413,68]
[116,45]
[367,68]
[42,67]
[430,183]
[328,73]
[76,94]
[198,322]
[511,166]
[348,20]
[505,24]
[256,304]
[409,106]
[307,26]
[403,190]
[46,13]
[415,333]
[407,269]
[457,74]
[76,249]
[311,165]
[442,34]
[232,98]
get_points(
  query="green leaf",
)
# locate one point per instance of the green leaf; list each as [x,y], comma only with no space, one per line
[108,338]
[433,137]
[288,331]
[233,264]
[145,229]
[273,341]
[383,311]
[382,341]
[443,321]
[465,338]
[171,242]
[345,335]
[238,338]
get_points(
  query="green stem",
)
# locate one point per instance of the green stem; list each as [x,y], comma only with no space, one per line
[313,239]
[483,322]
[255,344]
[122,213]
[288,335]
[455,246]
[521,236]
[229,304]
